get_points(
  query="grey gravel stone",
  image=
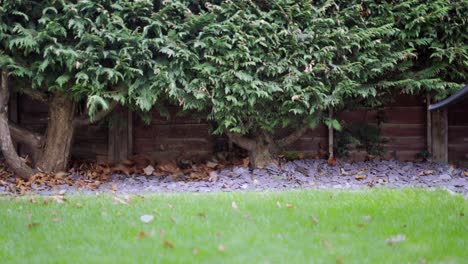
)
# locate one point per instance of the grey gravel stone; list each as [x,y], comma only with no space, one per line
[304,174]
[445,177]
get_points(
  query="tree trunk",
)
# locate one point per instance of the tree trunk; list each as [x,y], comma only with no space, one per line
[18,166]
[262,153]
[59,135]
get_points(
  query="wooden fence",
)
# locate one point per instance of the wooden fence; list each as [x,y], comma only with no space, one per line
[407,126]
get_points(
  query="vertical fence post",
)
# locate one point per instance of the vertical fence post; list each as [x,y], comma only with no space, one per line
[120,135]
[440,135]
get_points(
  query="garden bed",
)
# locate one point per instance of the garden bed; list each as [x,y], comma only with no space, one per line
[299,174]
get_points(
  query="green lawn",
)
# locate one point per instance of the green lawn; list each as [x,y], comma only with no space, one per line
[270,227]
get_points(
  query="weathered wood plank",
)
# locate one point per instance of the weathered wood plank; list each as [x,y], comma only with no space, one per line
[440,135]
[118,148]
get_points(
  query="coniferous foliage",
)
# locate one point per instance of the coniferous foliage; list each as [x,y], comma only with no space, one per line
[254,67]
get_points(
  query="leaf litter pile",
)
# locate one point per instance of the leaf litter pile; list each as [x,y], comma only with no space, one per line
[89,175]
[140,175]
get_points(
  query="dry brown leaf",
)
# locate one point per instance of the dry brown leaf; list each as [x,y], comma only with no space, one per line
[33,225]
[61,174]
[465,173]
[202,215]
[168,244]
[169,168]
[141,235]
[332,161]
[290,206]
[33,201]
[360,176]
[426,172]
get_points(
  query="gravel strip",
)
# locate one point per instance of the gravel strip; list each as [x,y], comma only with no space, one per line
[299,174]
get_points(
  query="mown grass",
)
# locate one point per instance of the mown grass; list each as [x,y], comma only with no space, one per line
[269,227]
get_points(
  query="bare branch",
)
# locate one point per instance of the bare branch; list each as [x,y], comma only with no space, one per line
[81,121]
[35,94]
[18,165]
[241,141]
[27,137]
[294,136]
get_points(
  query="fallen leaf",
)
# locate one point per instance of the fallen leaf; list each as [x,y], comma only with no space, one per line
[465,173]
[61,175]
[213,176]
[211,164]
[332,161]
[343,172]
[114,188]
[162,233]
[57,219]
[203,215]
[221,248]
[327,244]
[33,225]
[246,162]
[59,199]
[234,205]
[195,251]
[339,260]
[169,168]
[395,239]
[173,219]
[141,235]
[32,201]
[314,220]
[359,176]
[290,206]
[148,170]
[146,218]
[426,172]
[168,244]
[120,200]
[46,201]
[170,206]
